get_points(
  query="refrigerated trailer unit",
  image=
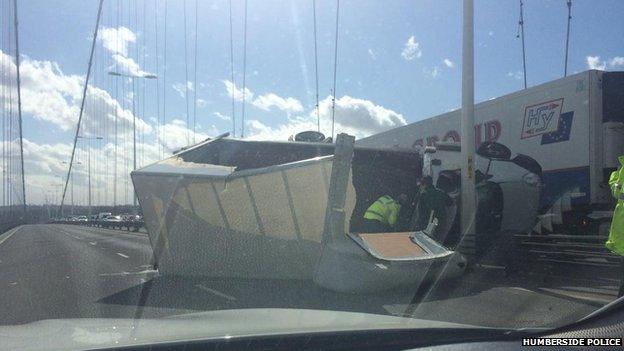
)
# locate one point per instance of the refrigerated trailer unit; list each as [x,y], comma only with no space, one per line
[574,128]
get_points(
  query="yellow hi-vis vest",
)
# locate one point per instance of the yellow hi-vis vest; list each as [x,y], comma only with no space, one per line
[615,243]
[384,210]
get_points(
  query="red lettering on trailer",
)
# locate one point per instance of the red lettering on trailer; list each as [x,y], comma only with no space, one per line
[488,131]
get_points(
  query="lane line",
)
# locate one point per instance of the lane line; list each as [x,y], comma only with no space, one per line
[124,273]
[9,234]
[216,292]
[122,255]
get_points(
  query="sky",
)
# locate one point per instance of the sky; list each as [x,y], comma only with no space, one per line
[397,62]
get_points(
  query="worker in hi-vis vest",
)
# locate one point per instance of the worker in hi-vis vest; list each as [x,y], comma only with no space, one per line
[616,234]
[382,215]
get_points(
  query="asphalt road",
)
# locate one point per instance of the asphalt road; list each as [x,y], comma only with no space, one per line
[64,271]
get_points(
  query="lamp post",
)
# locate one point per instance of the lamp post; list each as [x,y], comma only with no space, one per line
[133,77]
[89,165]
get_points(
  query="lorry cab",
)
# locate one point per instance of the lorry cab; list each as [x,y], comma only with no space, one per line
[508,190]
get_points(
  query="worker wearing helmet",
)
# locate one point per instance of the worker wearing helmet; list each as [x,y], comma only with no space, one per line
[382,215]
[615,243]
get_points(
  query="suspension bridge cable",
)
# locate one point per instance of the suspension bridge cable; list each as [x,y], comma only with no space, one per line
[244,70]
[84,93]
[232,73]
[10,130]
[144,87]
[565,69]
[318,114]
[195,76]
[335,69]
[158,131]
[521,32]
[109,20]
[10,113]
[116,153]
[4,114]
[164,83]
[186,80]
[19,107]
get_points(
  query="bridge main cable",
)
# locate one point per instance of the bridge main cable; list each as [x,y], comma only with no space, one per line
[82,103]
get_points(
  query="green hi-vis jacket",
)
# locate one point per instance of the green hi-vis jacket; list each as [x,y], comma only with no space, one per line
[384,210]
[616,235]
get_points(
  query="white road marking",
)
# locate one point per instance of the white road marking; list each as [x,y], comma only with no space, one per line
[521,289]
[93,243]
[8,234]
[124,273]
[75,237]
[216,292]
[122,255]
[490,266]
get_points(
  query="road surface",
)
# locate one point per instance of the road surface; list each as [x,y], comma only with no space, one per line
[64,271]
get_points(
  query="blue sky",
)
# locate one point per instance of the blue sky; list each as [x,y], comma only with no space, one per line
[398,61]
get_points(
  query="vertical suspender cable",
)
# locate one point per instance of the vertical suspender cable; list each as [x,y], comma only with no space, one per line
[335,69]
[19,108]
[11,144]
[158,131]
[144,87]
[318,114]
[186,80]
[232,73]
[116,160]
[244,70]
[82,103]
[195,76]
[4,138]
[565,69]
[521,32]
[164,82]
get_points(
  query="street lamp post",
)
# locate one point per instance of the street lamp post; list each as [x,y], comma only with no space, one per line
[133,77]
[89,166]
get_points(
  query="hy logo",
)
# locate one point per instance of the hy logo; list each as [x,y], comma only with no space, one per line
[542,118]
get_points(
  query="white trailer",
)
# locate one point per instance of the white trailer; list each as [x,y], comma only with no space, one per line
[574,127]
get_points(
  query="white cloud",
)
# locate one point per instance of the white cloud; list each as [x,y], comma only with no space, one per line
[411,50]
[127,66]
[372,55]
[201,103]
[267,101]
[490,33]
[116,40]
[51,96]
[174,135]
[222,116]
[433,72]
[357,117]
[515,75]
[236,93]
[180,88]
[617,61]
[594,62]
[448,63]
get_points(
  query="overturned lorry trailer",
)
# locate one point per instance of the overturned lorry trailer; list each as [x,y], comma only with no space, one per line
[573,127]
[281,210]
